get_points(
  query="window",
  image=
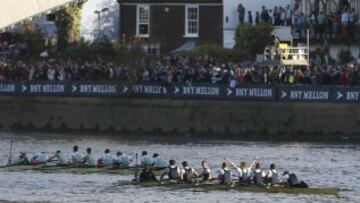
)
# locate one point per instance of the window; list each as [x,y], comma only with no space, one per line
[143,21]
[192,21]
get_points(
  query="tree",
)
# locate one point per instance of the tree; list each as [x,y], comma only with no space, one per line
[251,40]
[68,24]
[345,56]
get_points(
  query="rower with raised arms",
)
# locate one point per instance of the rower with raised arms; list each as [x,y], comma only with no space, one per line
[225,174]
[243,171]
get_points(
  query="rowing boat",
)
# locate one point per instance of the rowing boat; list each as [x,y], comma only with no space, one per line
[76,170]
[204,186]
[241,188]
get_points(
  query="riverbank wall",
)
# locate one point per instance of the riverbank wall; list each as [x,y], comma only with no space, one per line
[176,117]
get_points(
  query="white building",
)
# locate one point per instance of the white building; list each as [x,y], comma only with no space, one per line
[231,17]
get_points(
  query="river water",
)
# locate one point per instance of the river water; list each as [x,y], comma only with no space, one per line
[320,165]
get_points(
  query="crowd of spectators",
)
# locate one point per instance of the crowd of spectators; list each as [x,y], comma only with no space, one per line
[343,23]
[180,70]
[11,46]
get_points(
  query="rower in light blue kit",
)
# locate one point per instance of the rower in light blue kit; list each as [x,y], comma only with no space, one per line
[122,160]
[59,158]
[90,160]
[76,157]
[106,159]
[40,158]
[159,161]
[145,159]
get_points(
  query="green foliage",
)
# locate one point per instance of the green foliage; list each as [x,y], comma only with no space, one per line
[216,51]
[251,40]
[68,24]
[345,56]
[33,36]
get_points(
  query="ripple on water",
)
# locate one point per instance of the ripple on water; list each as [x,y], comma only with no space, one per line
[318,164]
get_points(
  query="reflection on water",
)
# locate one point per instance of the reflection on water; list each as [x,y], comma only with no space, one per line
[322,165]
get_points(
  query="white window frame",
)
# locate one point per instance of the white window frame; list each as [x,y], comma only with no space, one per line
[146,6]
[187,34]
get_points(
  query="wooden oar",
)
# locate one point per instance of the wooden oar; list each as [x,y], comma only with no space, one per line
[136,168]
[10,152]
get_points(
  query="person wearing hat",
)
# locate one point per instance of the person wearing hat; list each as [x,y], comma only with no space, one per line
[188,173]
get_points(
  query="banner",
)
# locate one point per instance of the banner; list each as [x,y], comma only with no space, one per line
[346,94]
[212,92]
[304,93]
[257,93]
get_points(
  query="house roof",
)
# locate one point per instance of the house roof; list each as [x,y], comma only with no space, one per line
[171,1]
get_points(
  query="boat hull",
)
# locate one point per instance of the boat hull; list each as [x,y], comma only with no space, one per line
[240,188]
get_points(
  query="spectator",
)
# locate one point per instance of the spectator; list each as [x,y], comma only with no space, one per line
[241,11]
[257,18]
[250,18]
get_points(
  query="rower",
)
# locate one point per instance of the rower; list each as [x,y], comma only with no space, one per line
[117,159]
[258,175]
[243,171]
[158,161]
[122,160]
[206,172]
[172,171]
[290,179]
[225,174]
[145,159]
[106,159]
[89,159]
[147,174]
[39,158]
[188,173]
[272,175]
[22,159]
[59,157]
[76,157]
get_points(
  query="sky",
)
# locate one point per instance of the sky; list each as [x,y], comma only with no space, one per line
[109,22]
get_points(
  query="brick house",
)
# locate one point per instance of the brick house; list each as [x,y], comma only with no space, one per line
[166,25]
